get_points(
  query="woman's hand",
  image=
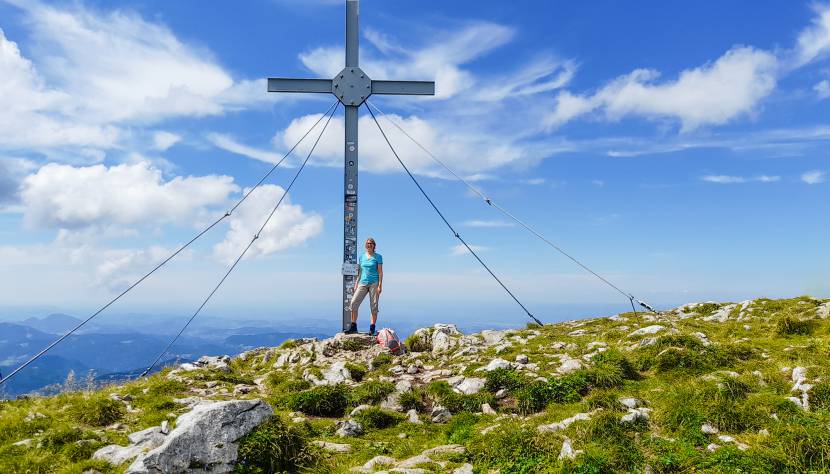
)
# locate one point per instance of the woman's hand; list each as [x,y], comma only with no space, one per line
[380,289]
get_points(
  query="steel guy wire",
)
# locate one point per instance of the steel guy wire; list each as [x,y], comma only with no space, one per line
[170,257]
[248,247]
[504,211]
[456,234]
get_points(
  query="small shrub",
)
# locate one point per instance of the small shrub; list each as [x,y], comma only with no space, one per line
[326,400]
[733,388]
[514,448]
[275,447]
[537,395]
[416,344]
[55,440]
[289,344]
[377,418]
[820,396]
[353,345]
[790,326]
[460,429]
[605,375]
[605,399]
[383,359]
[508,379]
[97,410]
[678,358]
[412,400]
[358,371]
[372,392]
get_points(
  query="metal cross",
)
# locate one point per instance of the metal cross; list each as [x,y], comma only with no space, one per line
[351,87]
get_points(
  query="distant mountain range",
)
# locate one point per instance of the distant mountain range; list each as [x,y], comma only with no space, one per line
[112,354]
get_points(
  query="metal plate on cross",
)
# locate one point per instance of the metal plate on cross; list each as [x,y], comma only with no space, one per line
[350,269]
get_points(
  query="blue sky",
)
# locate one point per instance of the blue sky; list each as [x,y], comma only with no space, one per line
[680,150]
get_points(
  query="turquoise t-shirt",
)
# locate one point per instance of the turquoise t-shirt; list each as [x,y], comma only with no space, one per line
[369,268]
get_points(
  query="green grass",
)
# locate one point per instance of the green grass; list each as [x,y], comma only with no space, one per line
[325,400]
[377,418]
[276,446]
[372,392]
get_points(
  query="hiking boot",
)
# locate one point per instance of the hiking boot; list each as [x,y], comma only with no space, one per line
[352,329]
[371,329]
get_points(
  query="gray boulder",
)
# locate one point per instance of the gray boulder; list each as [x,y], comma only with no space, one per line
[204,439]
[140,442]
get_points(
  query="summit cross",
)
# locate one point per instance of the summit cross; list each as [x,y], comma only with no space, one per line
[352,87]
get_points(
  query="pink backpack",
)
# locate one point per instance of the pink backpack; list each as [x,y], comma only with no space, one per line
[388,339]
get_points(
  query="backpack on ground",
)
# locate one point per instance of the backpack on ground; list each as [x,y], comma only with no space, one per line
[388,339]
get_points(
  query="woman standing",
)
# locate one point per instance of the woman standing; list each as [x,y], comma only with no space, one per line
[369,280]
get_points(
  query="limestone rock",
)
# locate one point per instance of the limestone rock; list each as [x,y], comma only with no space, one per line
[629,402]
[412,417]
[567,451]
[470,386]
[465,469]
[214,363]
[348,428]
[561,425]
[440,414]
[333,447]
[140,442]
[569,365]
[497,363]
[708,429]
[635,414]
[205,437]
[491,338]
[653,329]
[337,373]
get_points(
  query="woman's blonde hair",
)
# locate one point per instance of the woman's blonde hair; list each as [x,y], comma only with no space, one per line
[372,241]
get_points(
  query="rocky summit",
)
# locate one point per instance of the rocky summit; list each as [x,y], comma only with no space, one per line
[713,387]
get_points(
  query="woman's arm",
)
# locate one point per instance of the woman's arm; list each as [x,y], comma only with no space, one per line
[380,277]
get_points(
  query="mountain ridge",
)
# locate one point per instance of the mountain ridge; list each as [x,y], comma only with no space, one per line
[721,387]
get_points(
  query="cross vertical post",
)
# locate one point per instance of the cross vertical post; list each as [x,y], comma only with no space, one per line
[352,87]
[350,185]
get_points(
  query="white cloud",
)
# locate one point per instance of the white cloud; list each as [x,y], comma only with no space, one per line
[466,152]
[543,75]
[93,71]
[813,177]
[814,41]
[723,179]
[726,179]
[119,268]
[460,249]
[486,223]
[440,61]
[598,183]
[228,143]
[63,196]
[289,227]
[163,140]
[712,94]
[822,89]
